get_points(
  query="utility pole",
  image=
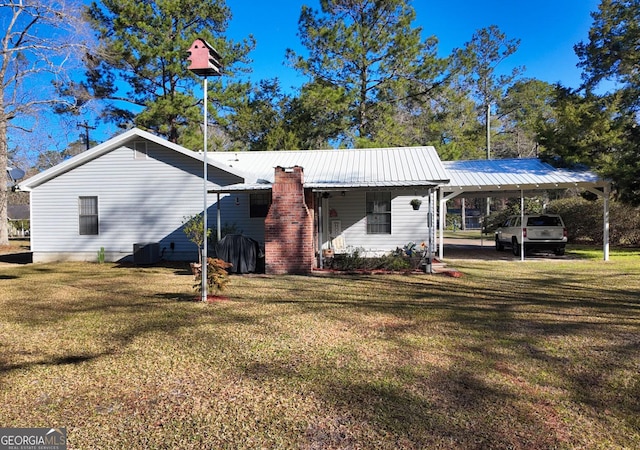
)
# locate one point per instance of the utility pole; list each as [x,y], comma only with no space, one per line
[86,127]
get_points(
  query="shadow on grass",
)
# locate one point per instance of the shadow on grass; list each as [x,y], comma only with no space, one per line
[52,361]
[179,267]
[495,353]
[17,258]
[191,297]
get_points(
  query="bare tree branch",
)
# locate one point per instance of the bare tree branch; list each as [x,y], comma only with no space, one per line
[41,43]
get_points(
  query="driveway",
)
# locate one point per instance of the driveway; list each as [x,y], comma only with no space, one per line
[485,249]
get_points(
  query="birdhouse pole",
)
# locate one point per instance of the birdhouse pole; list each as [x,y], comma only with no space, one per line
[205,62]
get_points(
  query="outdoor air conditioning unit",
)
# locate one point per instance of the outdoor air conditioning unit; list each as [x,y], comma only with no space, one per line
[146,253]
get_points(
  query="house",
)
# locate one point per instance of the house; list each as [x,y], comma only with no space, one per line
[131,195]
[134,188]
[18,216]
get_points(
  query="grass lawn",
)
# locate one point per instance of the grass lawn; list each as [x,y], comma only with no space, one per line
[513,355]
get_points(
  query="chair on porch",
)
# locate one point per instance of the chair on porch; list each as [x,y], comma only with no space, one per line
[339,246]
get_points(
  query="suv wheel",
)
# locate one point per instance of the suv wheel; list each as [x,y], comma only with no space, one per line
[515,247]
[499,246]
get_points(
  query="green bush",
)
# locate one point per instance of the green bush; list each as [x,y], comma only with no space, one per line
[393,261]
[584,222]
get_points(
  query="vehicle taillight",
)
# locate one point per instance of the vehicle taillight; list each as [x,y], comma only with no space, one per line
[524,232]
[564,232]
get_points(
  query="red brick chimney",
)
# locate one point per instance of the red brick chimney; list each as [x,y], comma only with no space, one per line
[289,225]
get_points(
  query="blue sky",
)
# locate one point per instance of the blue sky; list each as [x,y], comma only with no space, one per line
[548,30]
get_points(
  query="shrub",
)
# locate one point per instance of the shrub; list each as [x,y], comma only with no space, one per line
[217,276]
[583,219]
[101,255]
[393,261]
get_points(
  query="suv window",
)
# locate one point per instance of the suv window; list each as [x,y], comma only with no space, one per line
[544,221]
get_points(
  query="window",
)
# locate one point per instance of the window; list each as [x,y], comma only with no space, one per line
[259,204]
[544,221]
[88,214]
[378,212]
[140,150]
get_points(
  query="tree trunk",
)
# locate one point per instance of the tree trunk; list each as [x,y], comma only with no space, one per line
[4,194]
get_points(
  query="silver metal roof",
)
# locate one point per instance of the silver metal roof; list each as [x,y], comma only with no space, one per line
[503,175]
[340,169]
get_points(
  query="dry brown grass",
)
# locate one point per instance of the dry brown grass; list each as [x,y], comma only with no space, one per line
[511,355]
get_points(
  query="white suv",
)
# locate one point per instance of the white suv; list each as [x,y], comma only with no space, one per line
[541,232]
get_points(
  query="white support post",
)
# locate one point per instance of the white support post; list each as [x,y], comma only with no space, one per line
[430,230]
[605,193]
[521,225]
[441,223]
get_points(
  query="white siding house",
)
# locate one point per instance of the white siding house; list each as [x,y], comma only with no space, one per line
[143,188]
[138,188]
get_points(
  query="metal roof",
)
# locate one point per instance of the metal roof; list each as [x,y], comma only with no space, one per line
[340,169]
[504,175]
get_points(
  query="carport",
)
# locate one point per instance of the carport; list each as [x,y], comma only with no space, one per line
[513,178]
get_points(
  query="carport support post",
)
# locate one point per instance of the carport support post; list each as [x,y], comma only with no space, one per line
[430,217]
[606,191]
[441,220]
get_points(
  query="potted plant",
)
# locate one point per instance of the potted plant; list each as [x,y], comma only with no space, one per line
[415,203]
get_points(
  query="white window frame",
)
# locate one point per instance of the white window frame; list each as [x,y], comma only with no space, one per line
[378,211]
[88,216]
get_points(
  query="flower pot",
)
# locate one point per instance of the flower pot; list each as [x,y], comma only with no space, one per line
[195,268]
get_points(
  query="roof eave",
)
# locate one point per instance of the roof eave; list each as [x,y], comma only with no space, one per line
[112,144]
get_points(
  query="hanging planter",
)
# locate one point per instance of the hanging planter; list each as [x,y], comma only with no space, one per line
[415,203]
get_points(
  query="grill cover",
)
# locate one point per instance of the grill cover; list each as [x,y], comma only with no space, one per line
[243,252]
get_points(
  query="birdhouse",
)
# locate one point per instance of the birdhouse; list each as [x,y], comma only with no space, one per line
[205,60]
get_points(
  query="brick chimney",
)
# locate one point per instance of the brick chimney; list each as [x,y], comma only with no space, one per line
[289,225]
